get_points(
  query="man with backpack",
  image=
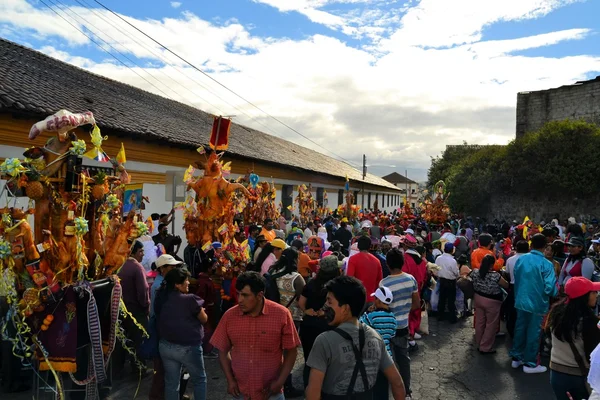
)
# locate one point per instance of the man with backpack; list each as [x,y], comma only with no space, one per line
[344,362]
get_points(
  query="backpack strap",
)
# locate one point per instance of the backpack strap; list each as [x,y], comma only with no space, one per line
[360,365]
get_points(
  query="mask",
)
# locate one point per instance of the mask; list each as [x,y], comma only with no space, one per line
[329,313]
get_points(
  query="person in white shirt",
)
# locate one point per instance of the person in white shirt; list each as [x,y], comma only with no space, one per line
[522,247]
[308,232]
[448,274]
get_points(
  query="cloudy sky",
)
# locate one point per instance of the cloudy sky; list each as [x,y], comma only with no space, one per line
[395,80]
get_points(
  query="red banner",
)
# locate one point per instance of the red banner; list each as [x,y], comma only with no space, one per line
[219,138]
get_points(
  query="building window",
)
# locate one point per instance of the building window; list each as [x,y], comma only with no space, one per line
[287,194]
[356,197]
[320,197]
[341,199]
[413,191]
[369,200]
[413,205]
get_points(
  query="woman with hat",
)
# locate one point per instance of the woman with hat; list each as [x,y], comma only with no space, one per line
[576,264]
[575,334]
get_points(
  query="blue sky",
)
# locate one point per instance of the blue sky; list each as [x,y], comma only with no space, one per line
[397,80]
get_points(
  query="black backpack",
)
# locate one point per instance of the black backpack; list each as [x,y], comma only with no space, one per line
[271,290]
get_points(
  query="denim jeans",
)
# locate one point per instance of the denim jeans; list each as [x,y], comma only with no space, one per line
[563,383]
[174,357]
[399,345]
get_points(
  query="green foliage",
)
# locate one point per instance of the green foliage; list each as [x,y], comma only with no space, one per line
[560,158]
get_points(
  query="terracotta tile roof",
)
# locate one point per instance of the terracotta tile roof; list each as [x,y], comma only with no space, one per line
[34,84]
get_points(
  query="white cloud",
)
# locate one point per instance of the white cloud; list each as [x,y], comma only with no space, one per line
[175,4]
[420,82]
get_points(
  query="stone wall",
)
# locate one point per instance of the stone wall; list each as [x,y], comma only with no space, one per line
[578,101]
[543,208]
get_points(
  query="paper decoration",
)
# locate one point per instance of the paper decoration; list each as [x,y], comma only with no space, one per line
[62,122]
[219,137]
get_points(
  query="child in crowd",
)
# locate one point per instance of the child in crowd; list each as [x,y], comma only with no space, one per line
[380,318]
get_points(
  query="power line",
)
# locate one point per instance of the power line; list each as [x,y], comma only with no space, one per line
[219,83]
[168,63]
[102,48]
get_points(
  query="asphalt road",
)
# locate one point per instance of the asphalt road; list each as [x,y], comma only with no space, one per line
[446,366]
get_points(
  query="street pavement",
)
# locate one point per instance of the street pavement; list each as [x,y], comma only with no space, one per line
[446,366]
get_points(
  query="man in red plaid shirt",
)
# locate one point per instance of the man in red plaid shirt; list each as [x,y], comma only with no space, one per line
[257,343]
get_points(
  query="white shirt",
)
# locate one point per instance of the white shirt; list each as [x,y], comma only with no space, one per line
[307,233]
[436,253]
[448,267]
[510,266]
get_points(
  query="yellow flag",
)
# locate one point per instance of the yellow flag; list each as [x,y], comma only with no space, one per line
[121,159]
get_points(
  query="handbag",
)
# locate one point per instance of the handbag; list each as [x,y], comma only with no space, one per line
[466,286]
[584,370]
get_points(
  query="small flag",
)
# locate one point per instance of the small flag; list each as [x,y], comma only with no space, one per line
[219,137]
[206,246]
[201,150]
[223,228]
[121,159]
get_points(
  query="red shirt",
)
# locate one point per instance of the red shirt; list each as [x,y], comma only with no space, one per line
[366,268]
[256,345]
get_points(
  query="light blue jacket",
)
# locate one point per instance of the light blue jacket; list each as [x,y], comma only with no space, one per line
[535,283]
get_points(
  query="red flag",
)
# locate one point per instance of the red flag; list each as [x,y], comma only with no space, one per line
[219,138]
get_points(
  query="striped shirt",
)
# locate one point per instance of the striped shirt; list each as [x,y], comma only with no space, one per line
[402,287]
[384,322]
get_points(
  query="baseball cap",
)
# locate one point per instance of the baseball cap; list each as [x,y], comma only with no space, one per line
[166,259]
[278,243]
[578,286]
[384,294]
[366,224]
[448,248]
[575,241]
[410,231]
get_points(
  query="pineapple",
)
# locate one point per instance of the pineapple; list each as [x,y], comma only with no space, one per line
[100,187]
[34,190]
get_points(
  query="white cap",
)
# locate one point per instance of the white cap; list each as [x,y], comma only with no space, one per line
[410,231]
[366,224]
[384,294]
[166,259]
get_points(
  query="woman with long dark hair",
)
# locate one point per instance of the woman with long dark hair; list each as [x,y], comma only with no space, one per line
[488,286]
[180,319]
[311,302]
[575,334]
[290,284]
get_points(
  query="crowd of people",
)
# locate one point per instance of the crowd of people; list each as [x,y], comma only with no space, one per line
[352,295]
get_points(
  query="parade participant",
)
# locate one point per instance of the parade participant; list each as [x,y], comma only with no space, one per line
[576,264]
[309,231]
[509,303]
[380,318]
[260,244]
[155,217]
[414,265]
[270,254]
[311,302]
[137,300]
[405,290]
[295,233]
[448,274]
[164,264]
[461,244]
[303,259]
[267,230]
[488,299]
[334,375]
[549,254]
[437,249]
[380,253]
[486,244]
[535,283]
[253,233]
[365,267]
[180,319]
[257,342]
[575,335]
[170,243]
[344,236]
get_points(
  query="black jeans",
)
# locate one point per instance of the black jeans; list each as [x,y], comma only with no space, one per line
[510,312]
[399,345]
[381,390]
[447,297]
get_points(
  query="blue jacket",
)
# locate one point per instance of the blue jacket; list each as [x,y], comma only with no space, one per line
[535,283]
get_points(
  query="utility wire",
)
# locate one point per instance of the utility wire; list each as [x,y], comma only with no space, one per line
[101,47]
[219,83]
[168,63]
